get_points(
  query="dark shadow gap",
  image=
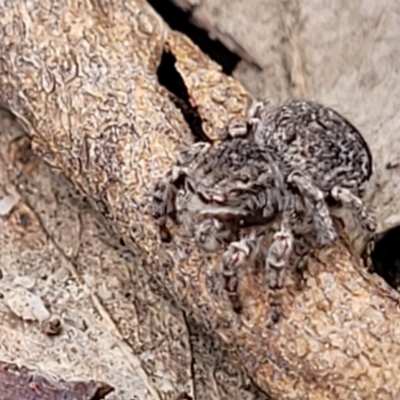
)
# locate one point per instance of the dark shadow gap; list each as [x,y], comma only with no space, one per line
[169,77]
[386,257]
[180,20]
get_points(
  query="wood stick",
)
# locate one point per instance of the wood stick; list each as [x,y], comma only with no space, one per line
[81,78]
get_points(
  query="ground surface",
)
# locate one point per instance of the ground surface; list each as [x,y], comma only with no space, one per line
[344,54]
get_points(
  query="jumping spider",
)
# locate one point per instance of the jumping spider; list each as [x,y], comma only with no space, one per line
[320,154]
[300,157]
[216,190]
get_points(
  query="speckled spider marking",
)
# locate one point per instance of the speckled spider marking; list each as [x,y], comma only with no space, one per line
[217,189]
[320,154]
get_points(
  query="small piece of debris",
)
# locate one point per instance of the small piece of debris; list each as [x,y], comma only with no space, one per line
[26,305]
[7,202]
[52,326]
[392,164]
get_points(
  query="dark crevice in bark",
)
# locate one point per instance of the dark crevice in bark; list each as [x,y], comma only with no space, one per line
[180,20]
[169,77]
[386,257]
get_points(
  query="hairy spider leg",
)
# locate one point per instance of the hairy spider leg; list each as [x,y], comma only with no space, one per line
[315,199]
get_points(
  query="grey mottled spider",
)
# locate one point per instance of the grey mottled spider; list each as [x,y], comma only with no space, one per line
[300,157]
[217,189]
[320,154]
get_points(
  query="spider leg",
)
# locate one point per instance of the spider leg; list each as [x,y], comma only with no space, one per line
[367,253]
[235,258]
[356,206]
[163,201]
[237,128]
[366,219]
[210,234]
[178,172]
[277,258]
[280,251]
[315,199]
[239,253]
[164,194]
[253,115]
[189,153]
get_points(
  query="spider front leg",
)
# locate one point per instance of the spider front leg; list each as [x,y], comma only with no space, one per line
[164,195]
[315,199]
[163,200]
[235,258]
[276,263]
[240,253]
[282,246]
[210,234]
[237,128]
[278,258]
[356,206]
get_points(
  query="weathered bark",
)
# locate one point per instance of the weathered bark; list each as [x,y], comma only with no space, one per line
[81,77]
[138,341]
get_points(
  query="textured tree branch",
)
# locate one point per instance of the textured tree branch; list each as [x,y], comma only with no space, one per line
[81,78]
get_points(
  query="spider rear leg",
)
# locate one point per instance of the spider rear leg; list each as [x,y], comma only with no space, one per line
[253,115]
[237,128]
[163,201]
[356,206]
[315,199]
[366,219]
[242,127]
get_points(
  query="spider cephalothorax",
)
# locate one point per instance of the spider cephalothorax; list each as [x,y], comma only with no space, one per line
[216,190]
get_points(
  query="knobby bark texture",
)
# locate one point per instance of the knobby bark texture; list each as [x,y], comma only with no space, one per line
[81,78]
[117,325]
